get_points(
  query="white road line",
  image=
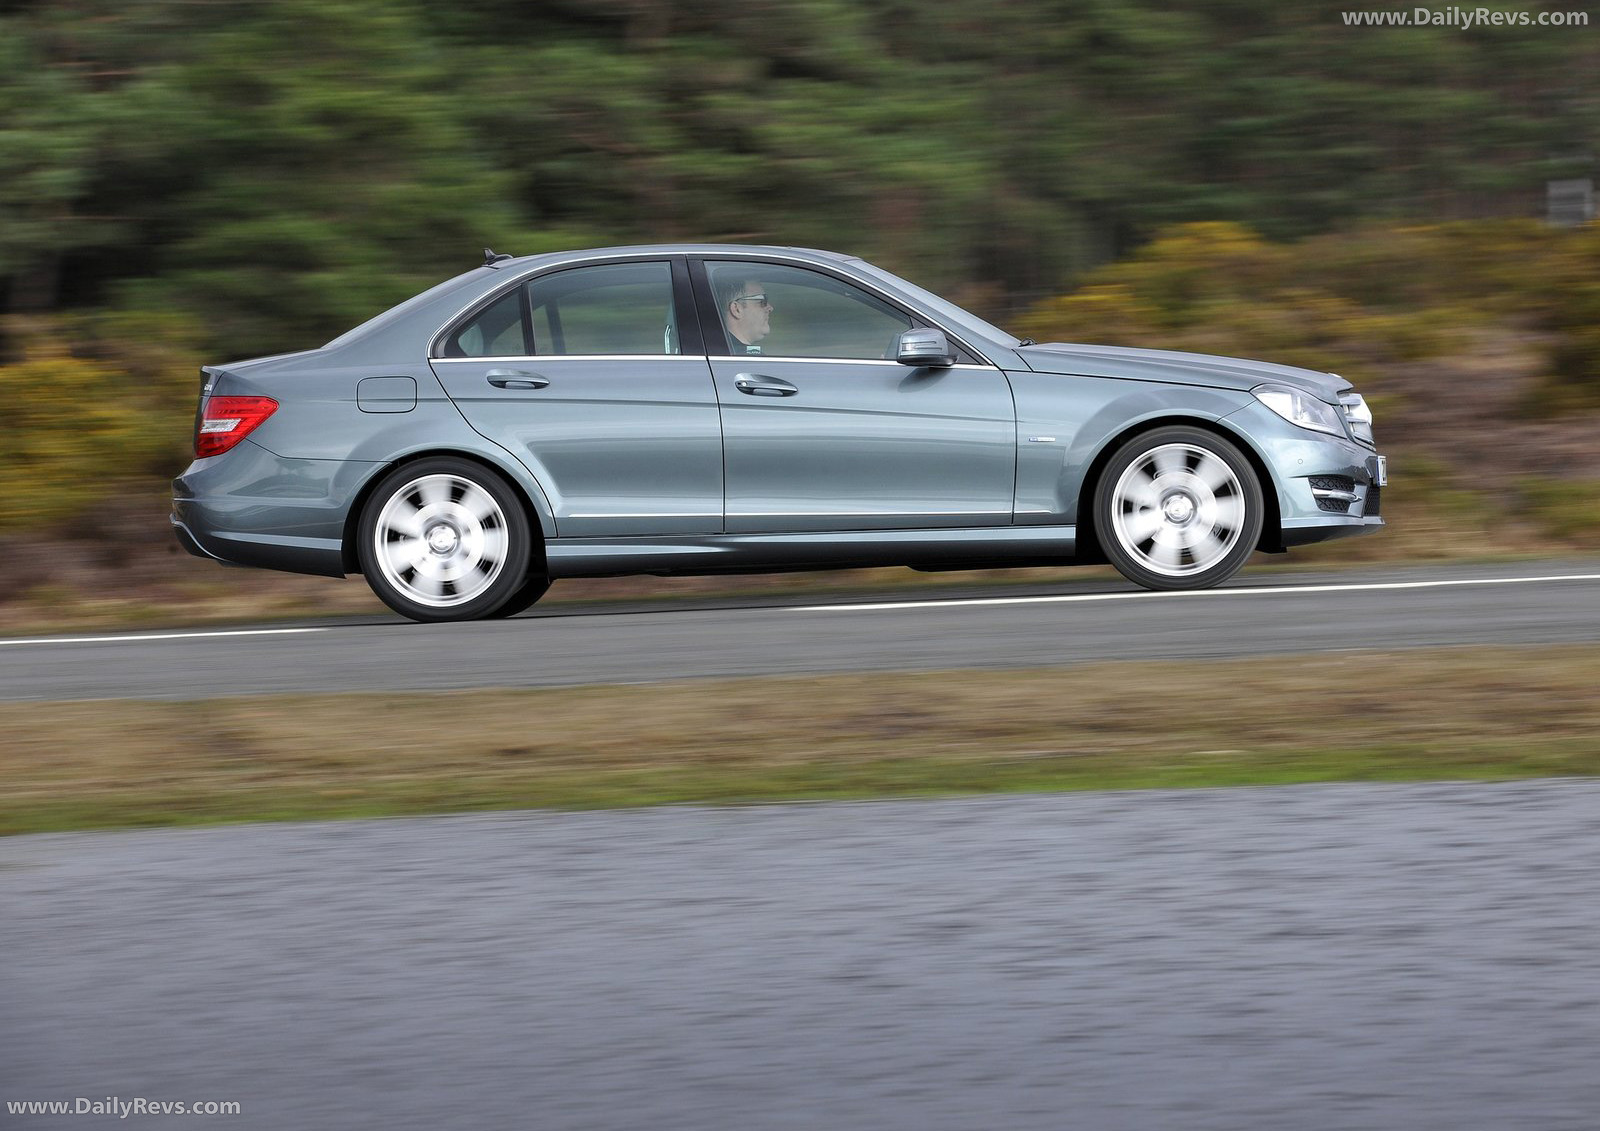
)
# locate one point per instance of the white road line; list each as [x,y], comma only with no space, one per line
[155,636]
[1258,591]
[1139,595]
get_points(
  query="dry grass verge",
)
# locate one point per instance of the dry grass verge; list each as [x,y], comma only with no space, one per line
[1448,713]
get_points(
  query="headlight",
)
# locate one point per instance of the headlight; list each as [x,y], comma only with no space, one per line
[1300,408]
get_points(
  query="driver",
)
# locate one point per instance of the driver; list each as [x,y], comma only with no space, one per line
[746,313]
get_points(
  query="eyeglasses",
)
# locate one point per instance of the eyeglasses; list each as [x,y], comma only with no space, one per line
[762,299]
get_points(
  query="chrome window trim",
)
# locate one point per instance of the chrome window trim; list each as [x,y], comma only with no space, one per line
[742,358]
[667,257]
[546,358]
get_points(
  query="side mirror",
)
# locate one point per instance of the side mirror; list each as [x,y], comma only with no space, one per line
[924,347]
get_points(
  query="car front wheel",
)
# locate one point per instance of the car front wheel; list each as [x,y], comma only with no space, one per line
[1178,508]
[445,539]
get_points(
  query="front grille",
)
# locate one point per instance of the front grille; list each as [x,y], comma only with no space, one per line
[1333,482]
[1336,506]
[1374,501]
[1358,416]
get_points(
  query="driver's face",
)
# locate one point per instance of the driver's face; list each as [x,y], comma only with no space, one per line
[750,313]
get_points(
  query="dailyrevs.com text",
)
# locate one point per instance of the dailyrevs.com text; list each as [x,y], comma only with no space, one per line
[122,1109]
[1463,18]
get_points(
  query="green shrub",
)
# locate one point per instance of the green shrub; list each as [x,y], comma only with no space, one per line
[1568,509]
[1572,312]
[1357,303]
[84,420]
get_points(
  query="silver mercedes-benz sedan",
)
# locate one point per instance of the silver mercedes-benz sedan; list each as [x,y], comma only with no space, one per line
[692,409]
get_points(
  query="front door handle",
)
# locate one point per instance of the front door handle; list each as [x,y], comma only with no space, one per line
[516,379]
[760,385]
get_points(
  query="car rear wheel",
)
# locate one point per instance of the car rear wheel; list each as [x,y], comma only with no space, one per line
[446,539]
[1178,508]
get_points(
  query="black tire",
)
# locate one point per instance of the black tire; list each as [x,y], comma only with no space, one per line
[445,539]
[1178,508]
[536,586]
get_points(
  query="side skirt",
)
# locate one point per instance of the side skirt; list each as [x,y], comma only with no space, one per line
[962,548]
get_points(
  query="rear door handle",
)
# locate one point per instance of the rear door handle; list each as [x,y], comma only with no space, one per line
[516,379]
[760,385]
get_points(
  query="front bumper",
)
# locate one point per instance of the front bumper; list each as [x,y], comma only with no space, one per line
[1327,486]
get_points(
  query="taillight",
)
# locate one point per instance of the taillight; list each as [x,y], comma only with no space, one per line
[226,420]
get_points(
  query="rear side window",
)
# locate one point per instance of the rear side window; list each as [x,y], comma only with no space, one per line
[614,308]
[497,331]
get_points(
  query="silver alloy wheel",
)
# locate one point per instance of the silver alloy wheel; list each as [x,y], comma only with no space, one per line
[1178,509]
[441,540]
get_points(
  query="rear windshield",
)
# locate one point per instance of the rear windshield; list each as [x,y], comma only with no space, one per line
[410,304]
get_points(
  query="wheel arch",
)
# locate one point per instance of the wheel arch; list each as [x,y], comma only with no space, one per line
[1088,538]
[539,521]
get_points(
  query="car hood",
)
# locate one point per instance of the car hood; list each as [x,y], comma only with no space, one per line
[1178,368]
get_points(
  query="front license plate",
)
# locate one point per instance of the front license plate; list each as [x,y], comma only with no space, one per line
[1380,477]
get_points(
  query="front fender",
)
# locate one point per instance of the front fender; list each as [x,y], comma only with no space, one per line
[1065,424]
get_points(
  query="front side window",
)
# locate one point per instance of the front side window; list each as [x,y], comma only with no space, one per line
[613,308]
[791,312]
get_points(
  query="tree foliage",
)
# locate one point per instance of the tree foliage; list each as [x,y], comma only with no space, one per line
[282,168]
[223,178]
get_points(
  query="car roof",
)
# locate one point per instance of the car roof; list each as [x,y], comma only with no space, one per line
[391,332]
[551,257]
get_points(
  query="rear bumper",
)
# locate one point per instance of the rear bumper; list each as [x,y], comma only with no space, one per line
[250,507]
[189,542]
[321,556]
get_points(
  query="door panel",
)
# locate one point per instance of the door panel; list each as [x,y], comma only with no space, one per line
[621,446]
[864,445]
[578,373]
[820,432]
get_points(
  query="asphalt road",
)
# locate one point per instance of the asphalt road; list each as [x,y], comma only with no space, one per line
[1317,957]
[1074,622]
